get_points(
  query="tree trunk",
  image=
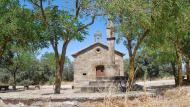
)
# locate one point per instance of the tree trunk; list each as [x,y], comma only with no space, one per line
[179,62]
[132,55]
[14,80]
[59,67]
[187,67]
[131,72]
[58,76]
[174,72]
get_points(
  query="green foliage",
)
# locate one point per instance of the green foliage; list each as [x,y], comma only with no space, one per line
[16,64]
[51,80]
[170,28]
[68,72]
[131,17]
[171,20]
[48,61]
[155,65]
[9,17]
[186,44]
[4,78]
[18,27]
[61,25]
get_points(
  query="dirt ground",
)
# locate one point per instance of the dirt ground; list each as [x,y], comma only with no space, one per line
[72,97]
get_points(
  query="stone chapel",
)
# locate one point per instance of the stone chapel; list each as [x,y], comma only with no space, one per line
[98,60]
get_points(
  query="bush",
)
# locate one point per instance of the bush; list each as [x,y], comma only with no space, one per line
[25,83]
[4,78]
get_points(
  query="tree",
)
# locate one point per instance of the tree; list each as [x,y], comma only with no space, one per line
[8,23]
[171,22]
[61,25]
[132,18]
[163,54]
[17,63]
[17,26]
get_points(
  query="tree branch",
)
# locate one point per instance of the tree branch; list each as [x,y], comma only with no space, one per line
[77,9]
[64,47]
[85,26]
[43,13]
[140,41]
[90,23]
[54,48]
[35,3]
[40,6]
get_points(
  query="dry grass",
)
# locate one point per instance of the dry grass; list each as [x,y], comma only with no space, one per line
[178,97]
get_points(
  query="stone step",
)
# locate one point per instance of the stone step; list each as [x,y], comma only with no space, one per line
[81,84]
[112,78]
[104,78]
[97,85]
[100,83]
[92,89]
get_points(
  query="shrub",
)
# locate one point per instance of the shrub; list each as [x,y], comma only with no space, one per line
[25,82]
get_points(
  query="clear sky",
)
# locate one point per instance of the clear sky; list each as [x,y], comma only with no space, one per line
[74,46]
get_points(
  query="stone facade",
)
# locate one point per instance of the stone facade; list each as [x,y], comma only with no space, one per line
[98,60]
[93,61]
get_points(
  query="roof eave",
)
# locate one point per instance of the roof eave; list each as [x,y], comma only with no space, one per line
[77,53]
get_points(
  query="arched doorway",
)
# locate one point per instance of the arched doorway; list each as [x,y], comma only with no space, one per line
[100,71]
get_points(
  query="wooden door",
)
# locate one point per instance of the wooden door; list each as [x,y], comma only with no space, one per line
[100,71]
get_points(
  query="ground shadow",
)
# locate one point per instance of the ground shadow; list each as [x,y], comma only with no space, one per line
[11,90]
[17,90]
[48,93]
